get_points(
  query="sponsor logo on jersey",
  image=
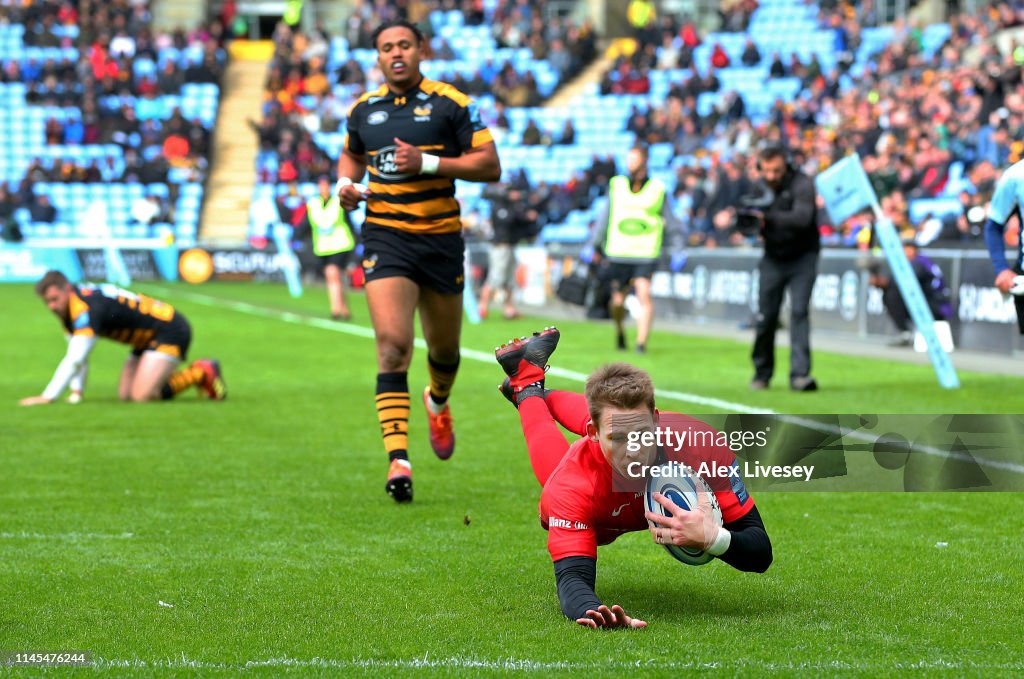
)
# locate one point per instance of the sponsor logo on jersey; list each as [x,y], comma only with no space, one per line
[377,118]
[634,227]
[474,113]
[736,482]
[384,163]
[421,114]
[564,523]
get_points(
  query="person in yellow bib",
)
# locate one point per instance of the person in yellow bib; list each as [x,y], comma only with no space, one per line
[630,237]
[333,243]
[642,15]
[292,12]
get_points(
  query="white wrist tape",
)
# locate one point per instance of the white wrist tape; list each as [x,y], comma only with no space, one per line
[721,543]
[342,183]
[431,164]
[1018,286]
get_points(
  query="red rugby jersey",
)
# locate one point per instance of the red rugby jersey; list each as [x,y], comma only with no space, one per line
[580,509]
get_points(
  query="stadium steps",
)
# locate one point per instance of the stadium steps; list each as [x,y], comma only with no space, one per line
[233,172]
[171,14]
[579,85]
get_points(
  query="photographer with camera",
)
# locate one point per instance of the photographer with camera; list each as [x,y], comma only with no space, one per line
[514,215]
[786,214]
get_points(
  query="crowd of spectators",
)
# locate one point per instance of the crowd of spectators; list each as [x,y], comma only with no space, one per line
[734,15]
[533,135]
[40,209]
[115,79]
[568,46]
[147,210]
[911,118]
[551,202]
[300,100]
[550,36]
[303,97]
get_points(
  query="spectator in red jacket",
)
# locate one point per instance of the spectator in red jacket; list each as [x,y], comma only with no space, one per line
[719,59]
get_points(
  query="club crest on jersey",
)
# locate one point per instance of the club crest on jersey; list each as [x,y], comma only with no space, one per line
[384,164]
[421,114]
[377,118]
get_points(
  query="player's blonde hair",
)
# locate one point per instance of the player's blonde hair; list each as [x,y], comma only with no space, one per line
[618,385]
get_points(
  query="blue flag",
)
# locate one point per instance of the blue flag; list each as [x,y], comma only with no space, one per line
[845,188]
[289,262]
[917,305]
[117,270]
[469,303]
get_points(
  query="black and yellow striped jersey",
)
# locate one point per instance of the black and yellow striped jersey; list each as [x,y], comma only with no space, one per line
[120,315]
[433,116]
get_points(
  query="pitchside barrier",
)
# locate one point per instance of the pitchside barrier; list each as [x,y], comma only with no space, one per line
[716,285]
[721,284]
[87,259]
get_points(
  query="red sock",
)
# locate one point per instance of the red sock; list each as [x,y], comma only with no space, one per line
[527,374]
[544,440]
[569,410]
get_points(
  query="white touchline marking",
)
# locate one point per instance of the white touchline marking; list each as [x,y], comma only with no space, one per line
[488,357]
[71,537]
[482,356]
[535,665]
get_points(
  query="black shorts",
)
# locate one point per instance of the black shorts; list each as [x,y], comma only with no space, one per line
[1018,303]
[621,274]
[338,259]
[172,339]
[430,260]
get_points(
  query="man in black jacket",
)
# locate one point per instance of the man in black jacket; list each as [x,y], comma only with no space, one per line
[513,215]
[789,225]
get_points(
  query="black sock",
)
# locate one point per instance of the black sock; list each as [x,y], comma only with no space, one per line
[442,376]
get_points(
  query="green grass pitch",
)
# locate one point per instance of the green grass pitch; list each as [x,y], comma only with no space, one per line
[263,523]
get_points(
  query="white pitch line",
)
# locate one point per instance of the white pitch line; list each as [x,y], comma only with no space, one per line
[482,356]
[25,535]
[581,378]
[514,664]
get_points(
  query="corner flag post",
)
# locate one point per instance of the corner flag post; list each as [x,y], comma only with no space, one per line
[846,190]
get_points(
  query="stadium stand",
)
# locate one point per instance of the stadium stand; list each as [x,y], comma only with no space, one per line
[827,80]
[841,87]
[99,111]
[505,56]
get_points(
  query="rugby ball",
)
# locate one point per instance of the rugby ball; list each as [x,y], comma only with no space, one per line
[681,485]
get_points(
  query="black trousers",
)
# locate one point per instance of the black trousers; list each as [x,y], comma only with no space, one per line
[893,302]
[775,276]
